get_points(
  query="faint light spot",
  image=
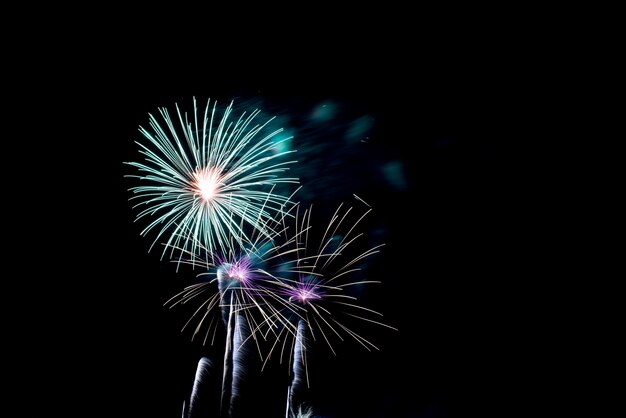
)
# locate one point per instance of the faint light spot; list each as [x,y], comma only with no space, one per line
[324,112]
[359,128]
[393,172]
[282,142]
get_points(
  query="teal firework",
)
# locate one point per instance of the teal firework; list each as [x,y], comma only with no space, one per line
[209,179]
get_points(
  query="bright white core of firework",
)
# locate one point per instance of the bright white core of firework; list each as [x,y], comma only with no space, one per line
[206,183]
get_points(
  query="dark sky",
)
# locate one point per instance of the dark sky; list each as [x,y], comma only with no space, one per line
[437,114]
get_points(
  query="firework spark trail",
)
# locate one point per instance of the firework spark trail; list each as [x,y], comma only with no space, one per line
[227,376]
[239,359]
[295,389]
[202,373]
[237,332]
[213,180]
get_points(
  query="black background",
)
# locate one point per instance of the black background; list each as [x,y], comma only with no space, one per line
[439,99]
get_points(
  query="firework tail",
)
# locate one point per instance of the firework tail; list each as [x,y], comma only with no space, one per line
[241,332]
[202,372]
[228,354]
[235,354]
[299,375]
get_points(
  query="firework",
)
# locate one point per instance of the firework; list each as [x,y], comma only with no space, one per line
[323,273]
[202,375]
[210,179]
[317,288]
[239,282]
[246,301]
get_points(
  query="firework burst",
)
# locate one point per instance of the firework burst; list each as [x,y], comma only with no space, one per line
[239,282]
[323,266]
[290,277]
[208,182]
[248,304]
[323,272]
[292,290]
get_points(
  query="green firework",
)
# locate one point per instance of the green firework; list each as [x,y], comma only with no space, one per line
[208,180]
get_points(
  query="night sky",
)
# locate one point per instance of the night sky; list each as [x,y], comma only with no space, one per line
[430,161]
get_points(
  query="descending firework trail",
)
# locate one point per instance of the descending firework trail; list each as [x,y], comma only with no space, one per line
[208,181]
[235,359]
[296,387]
[202,373]
[237,332]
